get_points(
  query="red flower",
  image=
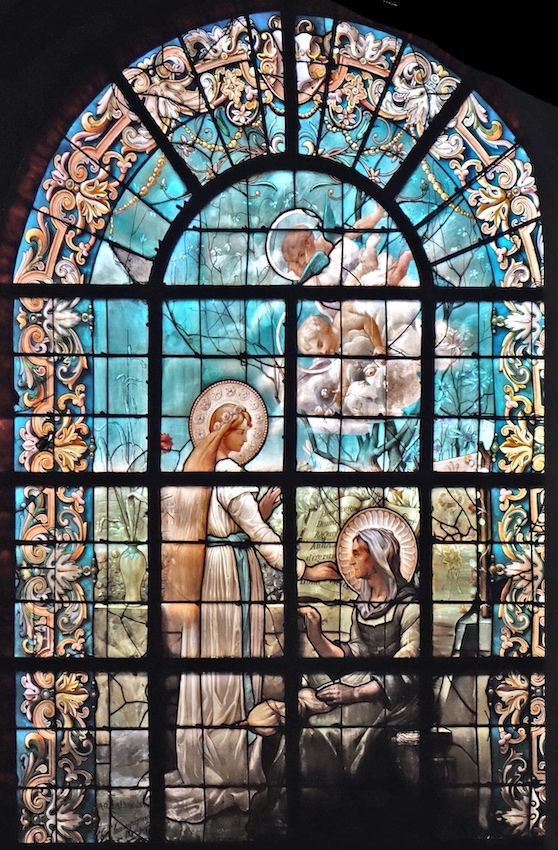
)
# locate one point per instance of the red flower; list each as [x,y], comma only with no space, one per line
[166,442]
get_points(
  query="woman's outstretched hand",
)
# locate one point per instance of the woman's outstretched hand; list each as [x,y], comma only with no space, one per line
[338,694]
[324,571]
[269,501]
[313,625]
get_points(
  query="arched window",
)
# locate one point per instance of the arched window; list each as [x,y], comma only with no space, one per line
[278,444]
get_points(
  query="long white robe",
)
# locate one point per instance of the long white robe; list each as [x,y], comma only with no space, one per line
[219,766]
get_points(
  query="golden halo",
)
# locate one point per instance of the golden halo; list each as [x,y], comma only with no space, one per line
[230,392]
[376,518]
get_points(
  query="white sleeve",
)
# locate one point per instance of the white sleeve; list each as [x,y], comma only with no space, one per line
[244,510]
[410,632]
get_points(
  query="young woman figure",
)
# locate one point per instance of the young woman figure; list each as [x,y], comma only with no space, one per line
[216,584]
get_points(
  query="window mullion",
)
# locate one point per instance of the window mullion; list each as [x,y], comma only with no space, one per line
[292,663]
[156,653]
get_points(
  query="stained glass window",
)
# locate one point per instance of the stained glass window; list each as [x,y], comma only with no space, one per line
[280,549]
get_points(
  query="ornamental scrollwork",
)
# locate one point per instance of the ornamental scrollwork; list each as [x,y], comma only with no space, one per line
[521,350]
[54,567]
[57,766]
[519,746]
[51,382]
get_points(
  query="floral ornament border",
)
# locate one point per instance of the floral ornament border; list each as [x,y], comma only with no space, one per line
[55,570]
[518,751]
[52,384]
[517,701]
[521,352]
[57,765]
[518,567]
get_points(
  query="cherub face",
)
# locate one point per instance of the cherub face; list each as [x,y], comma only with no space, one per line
[297,248]
[317,336]
[326,343]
